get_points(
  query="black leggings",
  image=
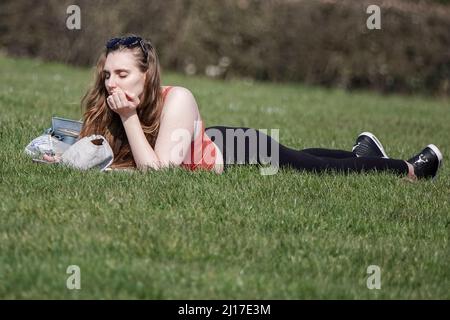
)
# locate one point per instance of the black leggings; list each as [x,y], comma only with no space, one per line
[313,159]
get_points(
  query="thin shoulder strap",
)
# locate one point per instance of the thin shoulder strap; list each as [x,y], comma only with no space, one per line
[166,91]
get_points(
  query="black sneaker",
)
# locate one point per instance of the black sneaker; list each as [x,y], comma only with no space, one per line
[367,145]
[427,162]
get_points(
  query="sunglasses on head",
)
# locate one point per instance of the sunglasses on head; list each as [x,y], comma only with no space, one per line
[129,42]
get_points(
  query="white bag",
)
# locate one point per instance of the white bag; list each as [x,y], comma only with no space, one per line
[89,152]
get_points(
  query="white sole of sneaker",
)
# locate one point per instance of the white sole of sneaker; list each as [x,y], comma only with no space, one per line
[437,151]
[377,142]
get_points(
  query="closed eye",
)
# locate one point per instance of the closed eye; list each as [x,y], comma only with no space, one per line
[122,73]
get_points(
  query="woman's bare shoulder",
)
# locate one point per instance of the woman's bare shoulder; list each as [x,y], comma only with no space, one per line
[176,89]
[180,98]
[179,94]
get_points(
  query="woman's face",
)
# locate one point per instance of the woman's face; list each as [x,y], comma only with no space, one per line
[121,72]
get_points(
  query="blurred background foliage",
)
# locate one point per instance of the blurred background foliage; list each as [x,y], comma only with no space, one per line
[322,42]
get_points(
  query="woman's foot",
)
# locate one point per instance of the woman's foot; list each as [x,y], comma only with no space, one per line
[367,145]
[426,163]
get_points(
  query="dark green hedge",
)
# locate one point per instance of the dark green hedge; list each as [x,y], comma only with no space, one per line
[315,42]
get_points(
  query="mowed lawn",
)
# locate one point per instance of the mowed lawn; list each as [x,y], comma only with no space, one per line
[176,234]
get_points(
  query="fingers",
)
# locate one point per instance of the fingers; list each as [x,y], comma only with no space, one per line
[123,100]
[117,101]
[114,102]
[111,103]
[132,97]
[50,158]
[129,96]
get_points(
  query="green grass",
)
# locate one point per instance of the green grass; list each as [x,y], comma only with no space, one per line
[176,234]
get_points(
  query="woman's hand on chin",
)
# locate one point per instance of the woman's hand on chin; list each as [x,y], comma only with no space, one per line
[123,103]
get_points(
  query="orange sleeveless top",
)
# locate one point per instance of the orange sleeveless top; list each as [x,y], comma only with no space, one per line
[202,153]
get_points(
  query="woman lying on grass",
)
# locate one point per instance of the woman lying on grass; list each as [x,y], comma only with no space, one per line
[152,126]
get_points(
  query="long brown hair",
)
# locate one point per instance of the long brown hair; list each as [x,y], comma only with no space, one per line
[98,118]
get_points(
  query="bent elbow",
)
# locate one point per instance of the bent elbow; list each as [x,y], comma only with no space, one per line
[144,166]
[156,166]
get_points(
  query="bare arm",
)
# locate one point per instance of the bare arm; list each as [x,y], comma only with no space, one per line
[143,154]
[174,137]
